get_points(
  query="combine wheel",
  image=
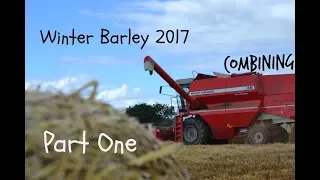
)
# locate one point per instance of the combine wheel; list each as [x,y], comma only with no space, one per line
[258,135]
[195,131]
[282,135]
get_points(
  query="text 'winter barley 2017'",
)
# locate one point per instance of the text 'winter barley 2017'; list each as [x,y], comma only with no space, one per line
[176,36]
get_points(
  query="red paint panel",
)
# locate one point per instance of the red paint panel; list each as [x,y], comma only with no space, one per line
[279,99]
[215,119]
[241,117]
[209,84]
[239,81]
[224,133]
[278,84]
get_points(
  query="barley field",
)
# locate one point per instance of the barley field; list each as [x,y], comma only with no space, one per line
[240,161]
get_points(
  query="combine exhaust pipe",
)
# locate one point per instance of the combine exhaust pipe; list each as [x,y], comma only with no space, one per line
[150,65]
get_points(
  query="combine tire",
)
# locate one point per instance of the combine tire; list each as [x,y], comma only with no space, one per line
[282,135]
[258,135]
[195,131]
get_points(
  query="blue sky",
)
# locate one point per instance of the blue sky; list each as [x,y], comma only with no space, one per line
[216,29]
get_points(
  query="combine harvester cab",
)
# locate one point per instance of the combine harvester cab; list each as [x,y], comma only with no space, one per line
[217,108]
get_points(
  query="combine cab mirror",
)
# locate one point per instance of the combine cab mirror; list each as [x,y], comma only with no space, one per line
[160,92]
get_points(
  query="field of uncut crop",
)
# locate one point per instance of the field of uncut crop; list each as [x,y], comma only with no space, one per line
[239,161]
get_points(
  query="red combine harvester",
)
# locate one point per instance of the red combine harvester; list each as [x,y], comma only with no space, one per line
[217,108]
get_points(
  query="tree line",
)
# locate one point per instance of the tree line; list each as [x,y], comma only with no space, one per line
[157,114]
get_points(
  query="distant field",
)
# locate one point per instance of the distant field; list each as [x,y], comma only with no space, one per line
[239,161]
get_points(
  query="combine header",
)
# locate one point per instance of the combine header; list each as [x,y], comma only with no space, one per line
[216,108]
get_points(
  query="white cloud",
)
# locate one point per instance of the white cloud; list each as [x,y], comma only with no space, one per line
[120,97]
[94,14]
[218,28]
[215,25]
[136,89]
[66,84]
[111,95]
[130,102]
[92,60]
[284,11]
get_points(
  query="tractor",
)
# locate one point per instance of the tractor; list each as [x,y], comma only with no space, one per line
[219,107]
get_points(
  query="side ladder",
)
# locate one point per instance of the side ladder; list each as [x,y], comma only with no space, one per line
[178,128]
